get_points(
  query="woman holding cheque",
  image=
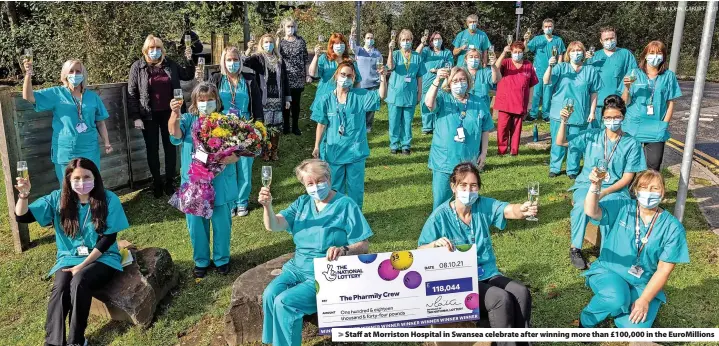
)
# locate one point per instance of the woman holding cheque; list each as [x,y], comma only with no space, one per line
[466,220]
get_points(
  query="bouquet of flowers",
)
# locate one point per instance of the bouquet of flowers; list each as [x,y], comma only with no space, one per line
[215,137]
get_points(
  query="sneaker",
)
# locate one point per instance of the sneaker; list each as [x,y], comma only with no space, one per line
[169,189]
[199,272]
[233,212]
[406,152]
[426,133]
[241,211]
[297,132]
[572,176]
[224,269]
[158,191]
[393,151]
[577,259]
[552,175]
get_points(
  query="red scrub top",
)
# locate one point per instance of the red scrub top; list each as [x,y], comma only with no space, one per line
[513,89]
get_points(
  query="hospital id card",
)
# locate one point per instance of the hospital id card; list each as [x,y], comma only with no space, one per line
[408,79]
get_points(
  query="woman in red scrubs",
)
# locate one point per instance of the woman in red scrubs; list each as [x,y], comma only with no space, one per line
[514,93]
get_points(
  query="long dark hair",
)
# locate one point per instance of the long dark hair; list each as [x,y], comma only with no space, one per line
[69,214]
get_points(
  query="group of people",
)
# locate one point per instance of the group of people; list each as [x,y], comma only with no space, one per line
[603,107]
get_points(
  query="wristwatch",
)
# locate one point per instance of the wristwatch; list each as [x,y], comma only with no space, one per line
[23,195]
[346,249]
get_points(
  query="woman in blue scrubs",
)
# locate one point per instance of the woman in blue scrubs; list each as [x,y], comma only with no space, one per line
[435,57]
[78,115]
[461,133]
[650,102]
[484,77]
[405,91]
[641,244]
[466,220]
[571,81]
[323,223]
[341,138]
[324,65]
[205,101]
[624,157]
[86,218]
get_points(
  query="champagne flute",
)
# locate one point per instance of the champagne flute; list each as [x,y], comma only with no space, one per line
[529,32]
[569,105]
[633,76]
[201,67]
[22,171]
[178,95]
[533,197]
[393,35]
[188,40]
[266,176]
[591,50]
[555,52]
[510,40]
[491,51]
[426,34]
[28,56]
[602,167]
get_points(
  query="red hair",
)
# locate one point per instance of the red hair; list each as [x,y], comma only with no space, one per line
[337,38]
[517,44]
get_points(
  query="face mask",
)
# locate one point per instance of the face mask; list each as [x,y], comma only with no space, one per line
[339,48]
[548,31]
[232,66]
[207,107]
[369,42]
[467,197]
[472,26]
[437,43]
[406,44]
[268,46]
[610,44]
[289,31]
[654,59]
[473,63]
[82,187]
[319,191]
[517,56]
[75,79]
[613,124]
[154,54]
[459,88]
[576,57]
[344,82]
[649,200]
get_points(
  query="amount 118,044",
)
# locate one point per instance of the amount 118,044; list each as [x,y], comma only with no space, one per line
[446,288]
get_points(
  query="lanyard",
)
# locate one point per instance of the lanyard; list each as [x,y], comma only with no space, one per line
[644,240]
[459,223]
[652,84]
[606,139]
[463,112]
[233,91]
[407,62]
[341,109]
[78,105]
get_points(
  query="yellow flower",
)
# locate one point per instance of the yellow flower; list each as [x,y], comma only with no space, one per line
[220,133]
[260,126]
[217,116]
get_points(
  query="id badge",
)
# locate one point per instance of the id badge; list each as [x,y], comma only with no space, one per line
[234,111]
[341,130]
[458,140]
[636,271]
[650,109]
[201,155]
[83,251]
[471,46]
[460,132]
[81,127]
[408,79]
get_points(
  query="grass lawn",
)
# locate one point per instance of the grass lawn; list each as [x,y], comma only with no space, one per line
[397,202]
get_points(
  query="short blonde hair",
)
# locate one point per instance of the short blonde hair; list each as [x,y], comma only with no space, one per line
[404,33]
[204,89]
[446,86]
[574,44]
[646,177]
[225,52]
[67,66]
[149,41]
[472,16]
[312,167]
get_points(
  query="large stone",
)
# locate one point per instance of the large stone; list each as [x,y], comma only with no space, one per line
[592,235]
[134,294]
[243,320]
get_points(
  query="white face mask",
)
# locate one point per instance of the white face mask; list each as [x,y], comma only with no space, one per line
[467,197]
[290,30]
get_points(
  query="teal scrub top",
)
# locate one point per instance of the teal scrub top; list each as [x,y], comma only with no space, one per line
[402,93]
[628,156]
[326,70]
[225,183]
[486,212]
[482,82]
[445,153]
[433,60]
[242,98]
[67,143]
[542,49]
[340,223]
[46,211]
[650,128]
[352,146]
[478,41]
[667,243]
[566,83]
[612,70]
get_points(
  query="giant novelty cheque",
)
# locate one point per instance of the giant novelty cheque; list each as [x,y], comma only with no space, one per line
[397,289]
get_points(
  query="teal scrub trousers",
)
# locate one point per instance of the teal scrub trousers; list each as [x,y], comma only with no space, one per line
[542,93]
[285,301]
[348,179]
[244,180]
[579,220]
[441,191]
[199,228]
[400,127]
[558,152]
[614,297]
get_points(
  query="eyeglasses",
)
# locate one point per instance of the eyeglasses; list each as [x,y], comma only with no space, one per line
[344,75]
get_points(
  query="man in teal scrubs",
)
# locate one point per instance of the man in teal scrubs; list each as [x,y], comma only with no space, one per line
[613,64]
[542,46]
[471,38]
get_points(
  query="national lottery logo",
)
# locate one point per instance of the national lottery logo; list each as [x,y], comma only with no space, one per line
[341,272]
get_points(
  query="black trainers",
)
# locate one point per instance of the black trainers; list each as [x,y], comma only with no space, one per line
[406,152]
[199,272]
[552,175]
[158,191]
[224,269]
[578,261]
[393,151]
[572,176]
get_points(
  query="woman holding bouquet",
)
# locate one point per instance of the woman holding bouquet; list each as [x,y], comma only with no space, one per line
[205,101]
[344,143]
[240,94]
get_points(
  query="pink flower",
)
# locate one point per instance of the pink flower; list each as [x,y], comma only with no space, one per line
[214,143]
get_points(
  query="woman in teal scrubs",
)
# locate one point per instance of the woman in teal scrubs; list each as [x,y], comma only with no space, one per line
[78,115]
[462,124]
[205,101]
[641,244]
[484,77]
[434,57]
[323,223]
[341,138]
[650,102]
[571,82]
[86,218]
[241,96]
[466,220]
[323,66]
[624,157]
[405,91]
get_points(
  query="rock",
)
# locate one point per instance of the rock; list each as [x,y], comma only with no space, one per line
[592,235]
[134,294]
[243,320]
[541,145]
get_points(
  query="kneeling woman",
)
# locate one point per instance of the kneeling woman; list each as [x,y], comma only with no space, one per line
[322,214]
[466,220]
[341,138]
[205,101]
[87,218]
[641,244]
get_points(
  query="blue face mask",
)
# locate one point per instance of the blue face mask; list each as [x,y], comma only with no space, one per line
[473,63]
[472,26]
[467,197]
[459,88]
[437,43]
[654,59]
[339,48]
[610,44]
[319,191]
[369,42]
[613,124]
[517,56]
[576,57]
[649,200]
[75,79]
[232,66]
[406,45]
[207,107]
[154,54]
[268,46]
[344,82]
[548,31]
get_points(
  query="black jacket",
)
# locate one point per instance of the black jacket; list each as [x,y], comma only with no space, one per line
[257,63]
[253,89]
[138,85]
